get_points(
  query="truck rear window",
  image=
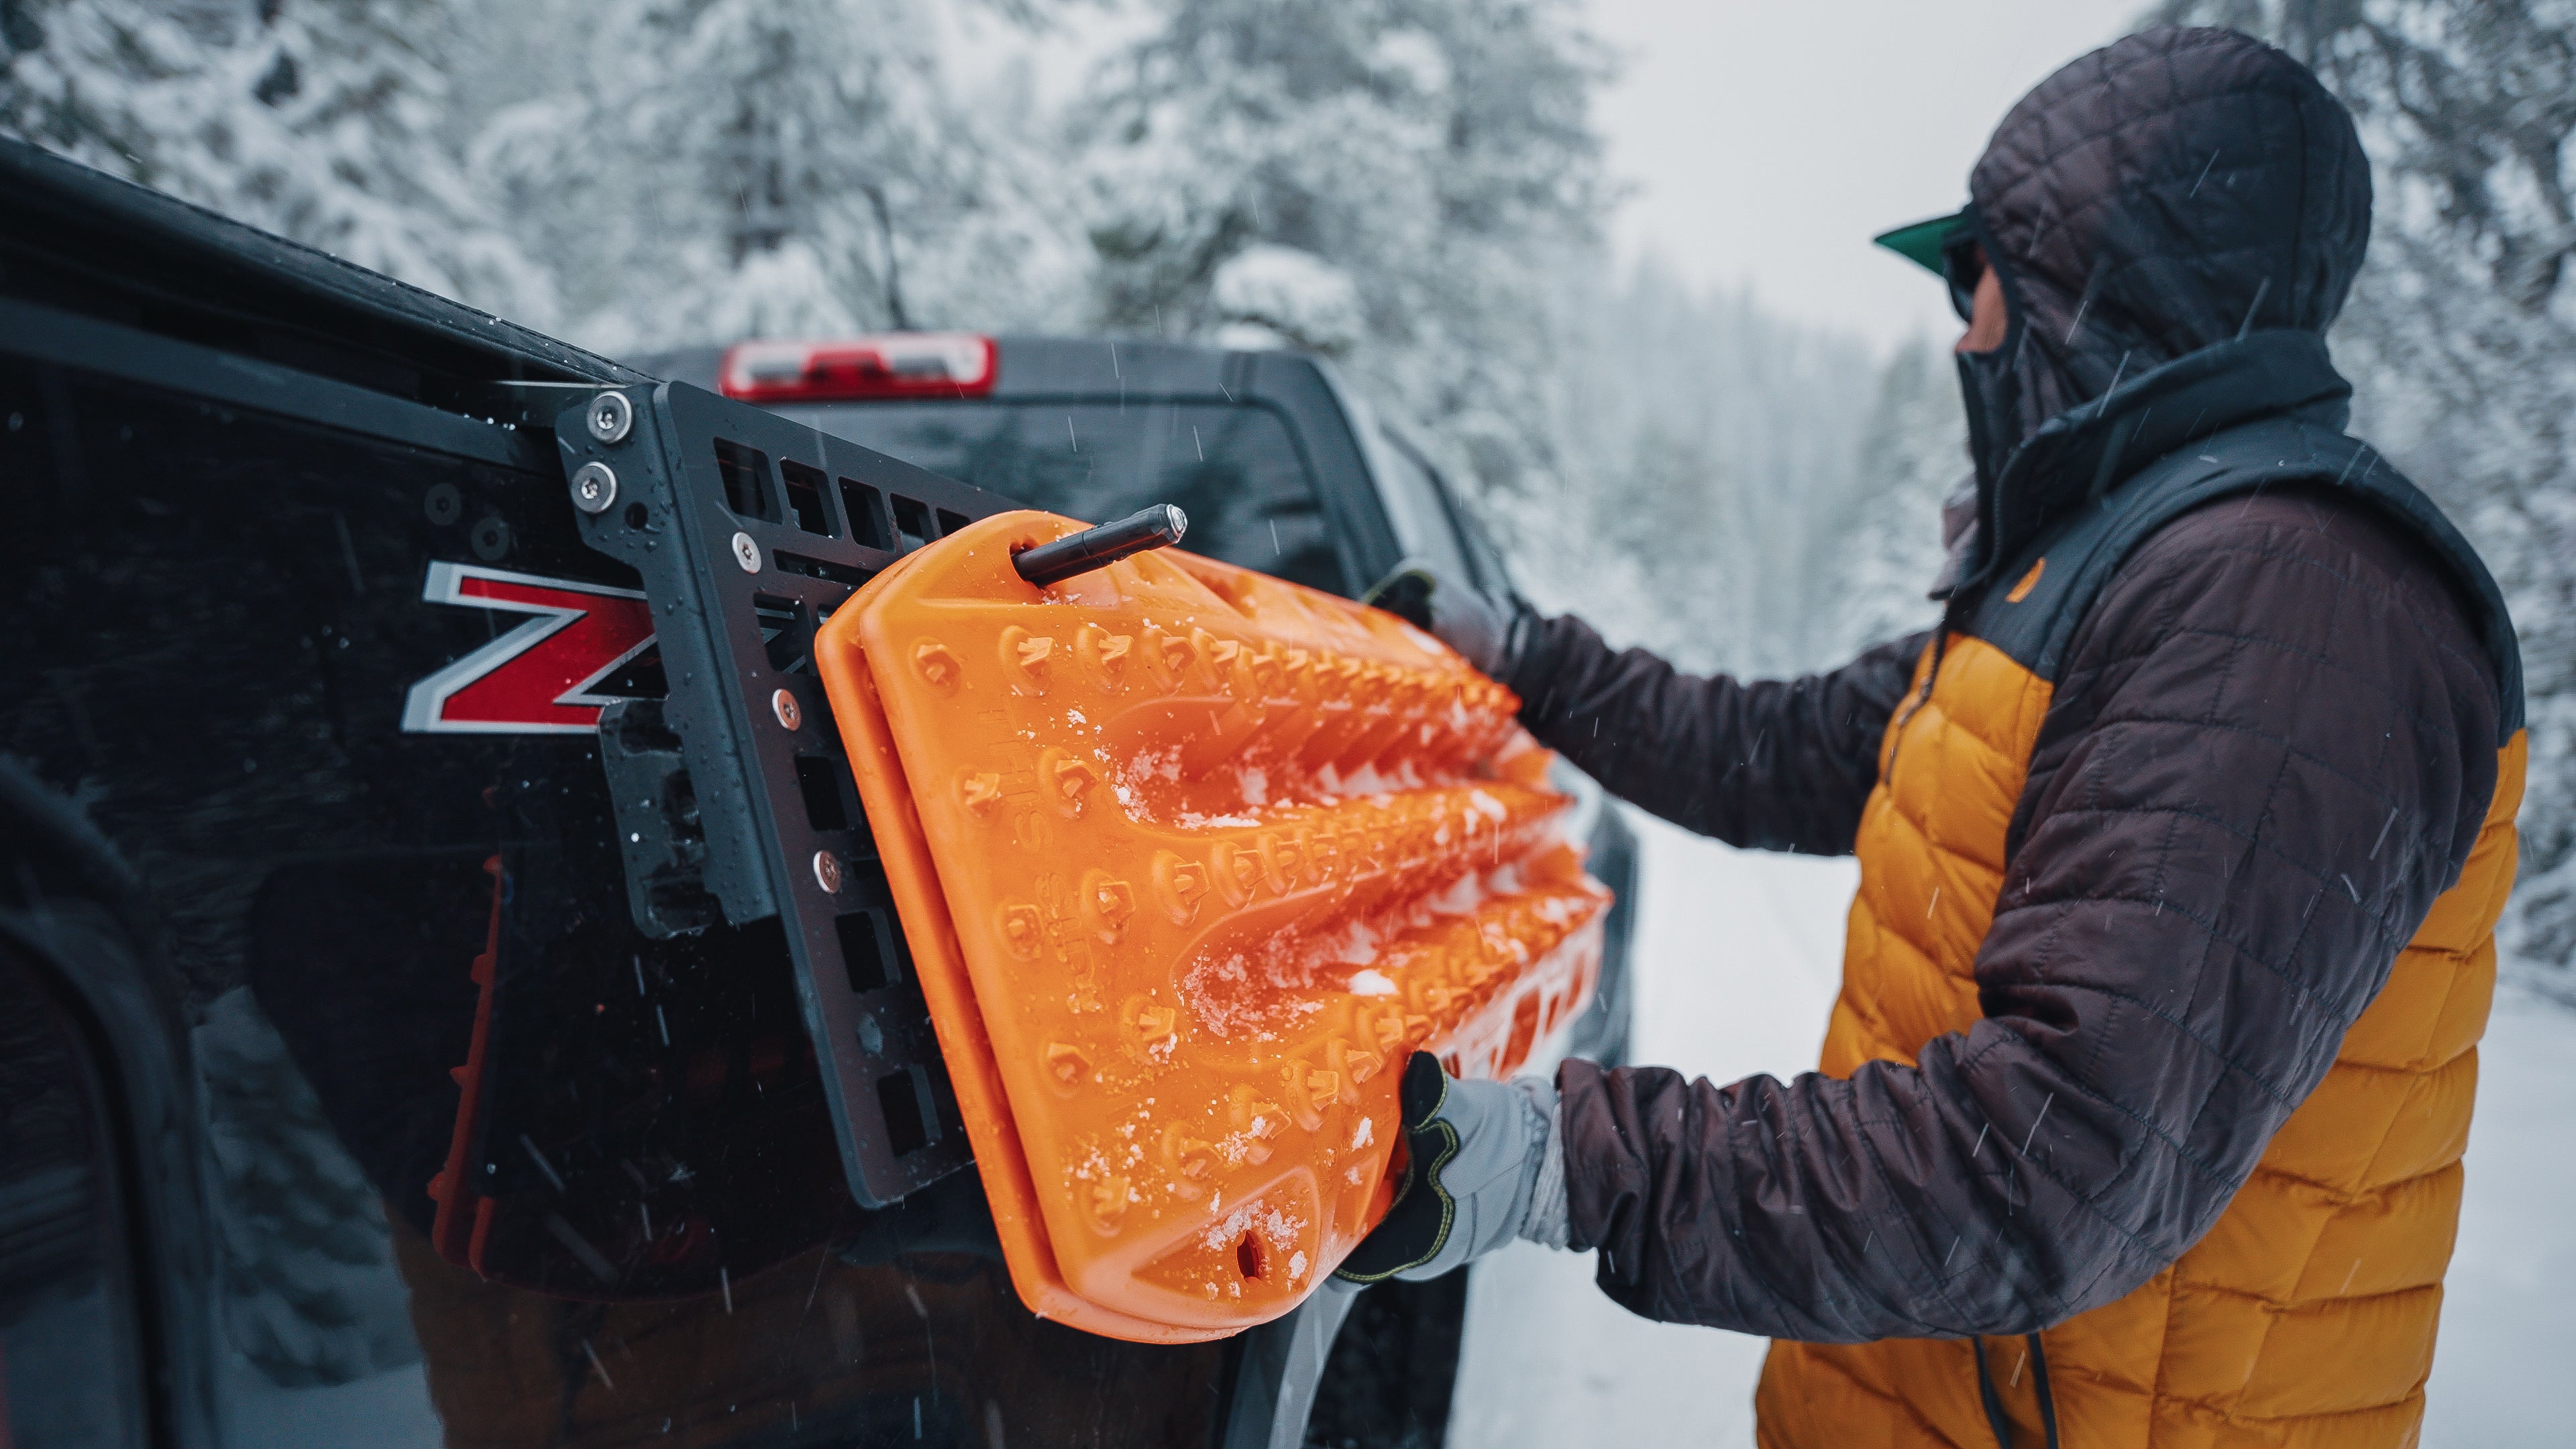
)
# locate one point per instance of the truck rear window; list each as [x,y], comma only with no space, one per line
[1232,467]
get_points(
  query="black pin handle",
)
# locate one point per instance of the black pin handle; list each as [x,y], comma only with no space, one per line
[1080,553]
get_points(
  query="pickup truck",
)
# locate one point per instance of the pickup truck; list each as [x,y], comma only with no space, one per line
[390,914]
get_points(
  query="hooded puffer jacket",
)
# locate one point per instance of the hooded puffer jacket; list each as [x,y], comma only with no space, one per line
[2181,844]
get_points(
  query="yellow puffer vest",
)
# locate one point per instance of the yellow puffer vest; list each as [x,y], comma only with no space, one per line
[2306,1316]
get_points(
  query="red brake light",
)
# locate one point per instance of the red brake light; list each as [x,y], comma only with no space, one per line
[893,364]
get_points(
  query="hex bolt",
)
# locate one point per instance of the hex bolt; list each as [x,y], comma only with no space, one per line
[612,417]
[594,487]
[827,872]
[746,553]
[783,704]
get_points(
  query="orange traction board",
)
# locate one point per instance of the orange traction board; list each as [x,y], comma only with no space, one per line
[1189,859]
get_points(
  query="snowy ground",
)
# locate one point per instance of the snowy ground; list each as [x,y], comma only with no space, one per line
[1738,955]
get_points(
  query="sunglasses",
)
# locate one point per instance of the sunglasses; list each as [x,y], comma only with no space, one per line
[1963,265]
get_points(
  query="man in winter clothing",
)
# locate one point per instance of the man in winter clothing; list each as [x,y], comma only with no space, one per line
[2181,842]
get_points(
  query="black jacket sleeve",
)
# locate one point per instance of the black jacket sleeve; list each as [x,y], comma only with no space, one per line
[2272,746]
[1767,764]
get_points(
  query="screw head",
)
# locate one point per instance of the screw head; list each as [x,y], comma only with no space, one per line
[746,553]
[827,872]
[594,487]
[783,704]
[611,417]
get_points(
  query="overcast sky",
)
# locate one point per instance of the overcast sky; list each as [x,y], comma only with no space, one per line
[1767,140]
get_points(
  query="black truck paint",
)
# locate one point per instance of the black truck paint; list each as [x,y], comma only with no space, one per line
[242,908]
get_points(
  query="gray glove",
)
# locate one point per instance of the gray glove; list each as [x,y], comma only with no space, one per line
[1487,632]
[1484,1168]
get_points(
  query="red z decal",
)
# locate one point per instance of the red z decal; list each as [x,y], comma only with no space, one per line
[535,679]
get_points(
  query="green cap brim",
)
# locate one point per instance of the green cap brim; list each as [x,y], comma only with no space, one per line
[1921,242]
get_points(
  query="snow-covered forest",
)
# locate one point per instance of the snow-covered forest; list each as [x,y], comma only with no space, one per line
[1414,187]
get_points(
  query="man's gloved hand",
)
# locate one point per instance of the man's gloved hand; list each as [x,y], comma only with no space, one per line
[1488,633]
[1484,1168]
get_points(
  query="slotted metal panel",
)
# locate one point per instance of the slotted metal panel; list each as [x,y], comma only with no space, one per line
[735,799]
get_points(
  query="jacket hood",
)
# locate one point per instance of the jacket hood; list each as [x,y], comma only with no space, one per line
[2177,191]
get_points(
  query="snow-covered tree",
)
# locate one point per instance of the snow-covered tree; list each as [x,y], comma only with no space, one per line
[1399,183]
[1711,449]
[320,120]
[311,1293]
[707,170]
[1913,455]
[2461,334]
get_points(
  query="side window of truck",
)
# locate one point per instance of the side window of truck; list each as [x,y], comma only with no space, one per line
[1429,520]
[1481,551]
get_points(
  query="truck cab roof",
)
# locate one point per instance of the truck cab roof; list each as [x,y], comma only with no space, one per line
[1280,464]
